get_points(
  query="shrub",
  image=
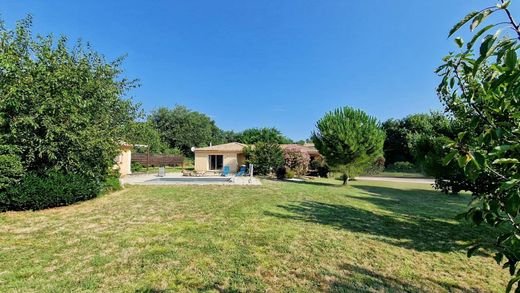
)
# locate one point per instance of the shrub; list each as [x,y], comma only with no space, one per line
[136,167]
[112,182]
[40,191]
[320,166]
[290,174]
[281,173]
[266,157]
[401,167]
[376,167]
[11,169]
[296,160]
[323,171]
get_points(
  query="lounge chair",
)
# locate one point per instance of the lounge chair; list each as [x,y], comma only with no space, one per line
[225,171]
[242,171]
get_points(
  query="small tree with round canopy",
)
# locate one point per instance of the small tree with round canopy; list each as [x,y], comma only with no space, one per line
[349,139]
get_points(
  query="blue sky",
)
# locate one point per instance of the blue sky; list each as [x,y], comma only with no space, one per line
[266,63]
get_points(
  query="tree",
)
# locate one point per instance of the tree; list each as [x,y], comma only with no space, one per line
[183,128]
[481,89]
[266,157]
[61,109]
[143,133]
[401,135]
[349,139]
[229,136]
[254,135]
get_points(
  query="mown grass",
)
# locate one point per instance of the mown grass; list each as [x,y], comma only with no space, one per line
[314,236]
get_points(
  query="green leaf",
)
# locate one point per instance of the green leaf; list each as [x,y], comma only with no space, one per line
[504,5]
[477,217]
[479,18]
[464,160]
[511,59]
[511,283]
[510,184]
[498,257]
[449,157]
[479,159]
[504,161]
[472,250]
[462,22]
[478,35]
[459,41]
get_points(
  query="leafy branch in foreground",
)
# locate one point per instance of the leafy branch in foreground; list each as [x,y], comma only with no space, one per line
[481,89]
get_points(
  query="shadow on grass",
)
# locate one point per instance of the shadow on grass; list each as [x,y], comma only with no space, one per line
[309,182]
[373,281]
[413,202]
[411,232]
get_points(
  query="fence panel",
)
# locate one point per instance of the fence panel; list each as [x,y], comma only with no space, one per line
[150,160]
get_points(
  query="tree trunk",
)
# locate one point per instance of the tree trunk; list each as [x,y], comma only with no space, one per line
[345,178]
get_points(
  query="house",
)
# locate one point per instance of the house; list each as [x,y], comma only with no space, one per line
[214,158]
[124,160]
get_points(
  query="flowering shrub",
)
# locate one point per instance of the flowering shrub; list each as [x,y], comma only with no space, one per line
[296,160]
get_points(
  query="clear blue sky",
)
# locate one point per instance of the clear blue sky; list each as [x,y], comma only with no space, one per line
[266,63]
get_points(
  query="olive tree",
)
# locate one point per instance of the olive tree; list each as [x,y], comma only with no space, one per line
[349,139]
[481,88]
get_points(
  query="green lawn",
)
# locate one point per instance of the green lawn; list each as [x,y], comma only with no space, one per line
[371,236]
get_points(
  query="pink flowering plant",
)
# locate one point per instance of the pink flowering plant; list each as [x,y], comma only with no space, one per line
[296,160]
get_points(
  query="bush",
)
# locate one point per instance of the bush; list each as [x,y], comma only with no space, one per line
[296,160]
[320,166]
[136,167]
[281,173]
[290,174]
[37,191]
[401,167]
[112,182]
[266,157]
[376,167]
[11,169]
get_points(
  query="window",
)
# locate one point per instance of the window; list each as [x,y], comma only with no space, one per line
[216,162]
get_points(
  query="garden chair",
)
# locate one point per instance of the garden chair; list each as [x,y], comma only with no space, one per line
[242,171]
[225,171]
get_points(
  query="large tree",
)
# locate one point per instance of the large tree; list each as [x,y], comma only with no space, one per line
[183,128]
[266,134]
[349,139]
[145,137]
[61,107]
[401,134]
[481,89]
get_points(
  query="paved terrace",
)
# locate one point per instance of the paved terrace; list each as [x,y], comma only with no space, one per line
[178,179]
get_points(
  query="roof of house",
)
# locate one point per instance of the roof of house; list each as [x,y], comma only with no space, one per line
[310,149]
[239,147]
[227,147]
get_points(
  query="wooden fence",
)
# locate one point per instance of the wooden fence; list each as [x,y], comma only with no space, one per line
[149,160]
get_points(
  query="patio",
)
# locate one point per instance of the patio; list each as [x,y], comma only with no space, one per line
[178,179]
